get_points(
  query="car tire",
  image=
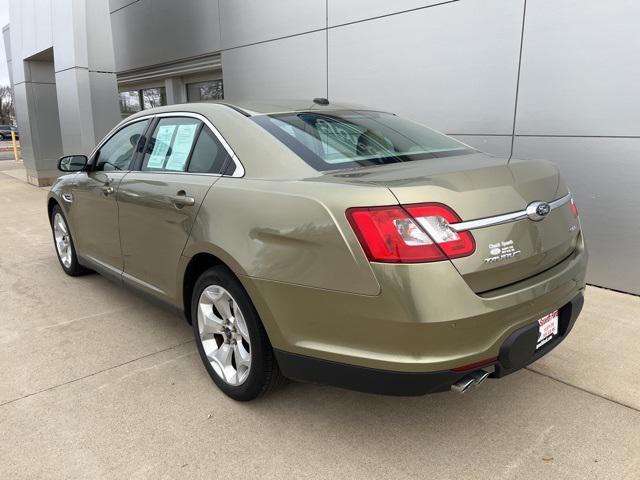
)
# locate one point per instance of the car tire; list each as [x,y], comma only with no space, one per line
[230,337]
[63,243]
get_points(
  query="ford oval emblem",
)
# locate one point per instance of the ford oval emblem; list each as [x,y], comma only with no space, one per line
[536,211]
[543,209]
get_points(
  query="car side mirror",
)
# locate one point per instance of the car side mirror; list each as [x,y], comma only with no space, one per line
[73,163]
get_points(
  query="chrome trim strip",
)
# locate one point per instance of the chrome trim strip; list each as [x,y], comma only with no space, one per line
[239,171]
[489,221]
[506,218]
[560,201]
[177,172]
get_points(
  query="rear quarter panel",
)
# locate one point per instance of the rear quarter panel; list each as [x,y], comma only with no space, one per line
[288,231]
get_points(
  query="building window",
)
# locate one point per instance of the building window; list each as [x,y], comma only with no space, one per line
[153,97]
[203,91]
[129,103]
[133,101]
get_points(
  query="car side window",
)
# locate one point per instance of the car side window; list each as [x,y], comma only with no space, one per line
[170,145]
[117,152]
[208,155]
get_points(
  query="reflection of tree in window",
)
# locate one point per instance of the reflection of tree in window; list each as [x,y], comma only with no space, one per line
[153,97]
[211,91]
[130,102]
[348,139]
[203,91]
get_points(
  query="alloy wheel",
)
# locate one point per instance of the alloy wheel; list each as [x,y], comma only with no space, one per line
[224,335]
[63,240]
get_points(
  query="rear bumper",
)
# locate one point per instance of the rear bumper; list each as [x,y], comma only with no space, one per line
[516,352]
[426,318]
[519,349]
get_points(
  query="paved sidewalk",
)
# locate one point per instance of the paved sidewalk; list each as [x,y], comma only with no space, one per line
[95,382]
[13,169]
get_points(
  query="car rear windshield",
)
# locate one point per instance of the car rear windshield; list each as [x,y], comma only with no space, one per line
[349,139]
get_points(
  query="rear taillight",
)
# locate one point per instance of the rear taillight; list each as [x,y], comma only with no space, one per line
[410,234]
[574,208]
[435,219]
[572,203]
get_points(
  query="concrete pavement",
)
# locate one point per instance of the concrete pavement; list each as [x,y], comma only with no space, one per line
[98,383]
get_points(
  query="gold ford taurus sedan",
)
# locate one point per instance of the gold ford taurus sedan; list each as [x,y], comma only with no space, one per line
[328,244]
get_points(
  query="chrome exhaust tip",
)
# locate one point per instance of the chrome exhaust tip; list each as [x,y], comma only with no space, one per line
[479,376]
[473,379]
[463,384]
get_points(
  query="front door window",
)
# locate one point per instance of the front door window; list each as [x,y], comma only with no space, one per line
[117,152]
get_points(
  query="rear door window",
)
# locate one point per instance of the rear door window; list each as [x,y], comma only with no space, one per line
[171,144]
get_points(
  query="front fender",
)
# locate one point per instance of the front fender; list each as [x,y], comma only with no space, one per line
[62,187]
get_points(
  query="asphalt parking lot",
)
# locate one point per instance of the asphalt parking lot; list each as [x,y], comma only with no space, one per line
[6,150]
[98,383]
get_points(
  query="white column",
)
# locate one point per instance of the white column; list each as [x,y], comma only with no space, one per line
[175,89]
[85,76]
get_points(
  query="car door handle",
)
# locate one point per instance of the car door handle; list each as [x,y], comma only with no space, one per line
[181,200]
[107,190]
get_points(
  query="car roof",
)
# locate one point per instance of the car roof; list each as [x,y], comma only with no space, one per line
[251,108]
[258,107]
[261,154]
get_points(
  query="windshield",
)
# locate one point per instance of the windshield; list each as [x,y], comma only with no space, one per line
[347,139]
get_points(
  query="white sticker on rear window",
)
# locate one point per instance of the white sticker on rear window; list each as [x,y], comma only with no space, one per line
[161,146]
[181,147]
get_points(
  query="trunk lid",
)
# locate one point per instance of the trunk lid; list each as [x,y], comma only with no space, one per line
[478,186]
